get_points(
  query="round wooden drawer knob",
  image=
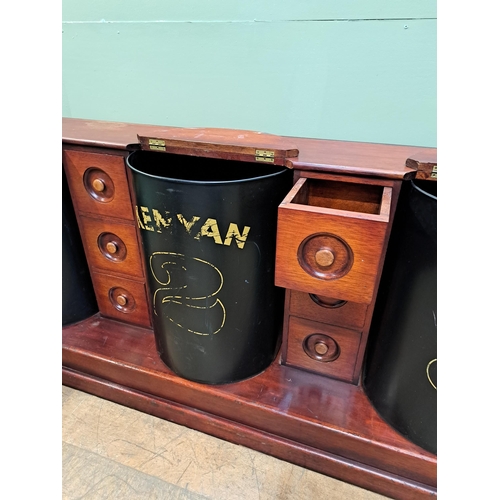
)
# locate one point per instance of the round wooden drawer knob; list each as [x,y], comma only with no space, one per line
[324,257]
[121,300]
[111,247]
[321,348]
[98,185]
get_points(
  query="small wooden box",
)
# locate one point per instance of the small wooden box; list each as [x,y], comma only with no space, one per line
[330,238]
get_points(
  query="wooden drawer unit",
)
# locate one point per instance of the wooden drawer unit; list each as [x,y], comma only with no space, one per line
[111,246]
[121,298]
[327,310]
[101,197]
[330,238]
[322,348]
[309,406]
[98,183]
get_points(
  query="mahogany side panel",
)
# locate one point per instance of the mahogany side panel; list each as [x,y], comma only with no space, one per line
[396,189]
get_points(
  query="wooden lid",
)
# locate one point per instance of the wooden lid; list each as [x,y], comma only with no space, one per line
[241,145]
[425,165]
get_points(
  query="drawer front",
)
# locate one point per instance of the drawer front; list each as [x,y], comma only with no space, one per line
[122,299]
[326,310]
[328,251]
[321,348]
[98,183]
[111,246]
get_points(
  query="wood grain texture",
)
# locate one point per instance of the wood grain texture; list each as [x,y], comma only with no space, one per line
[396,188]
[349,315]
[365,238]
[90,230]
[306,415]
[425,165]
[213,140]
[341,368]
[315,411]
[136,310]
[316,155]
[76,163]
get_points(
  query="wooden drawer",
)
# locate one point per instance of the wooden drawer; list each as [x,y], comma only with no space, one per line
[122,299]
[98,183]
[321,348]
[330,238]
[111,246]
[326,310]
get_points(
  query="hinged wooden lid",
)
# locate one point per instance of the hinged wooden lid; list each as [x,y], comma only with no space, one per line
[425,165]
[227,144]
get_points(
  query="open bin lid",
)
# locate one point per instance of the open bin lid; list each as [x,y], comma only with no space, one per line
[227,144]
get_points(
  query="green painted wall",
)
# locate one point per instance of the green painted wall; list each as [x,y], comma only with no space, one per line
[350,70]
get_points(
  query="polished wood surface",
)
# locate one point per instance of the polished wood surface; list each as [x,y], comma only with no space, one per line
[352,158]
[78,163]
[315,412]
[390,485]
[308,410]
[361,234]
[340,342]
[123,299]
[425,165]
[120,254]
[227,144]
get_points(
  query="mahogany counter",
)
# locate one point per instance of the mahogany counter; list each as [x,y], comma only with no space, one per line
[294,410]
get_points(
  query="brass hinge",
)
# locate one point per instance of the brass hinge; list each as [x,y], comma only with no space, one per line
[156,144]
[264,155]
[434,172]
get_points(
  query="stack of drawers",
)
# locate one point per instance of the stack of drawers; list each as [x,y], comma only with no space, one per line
[101,197]
[331,241]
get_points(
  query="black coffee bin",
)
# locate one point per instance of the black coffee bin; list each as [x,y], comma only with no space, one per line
[208,233]
[401,364]
[78,297]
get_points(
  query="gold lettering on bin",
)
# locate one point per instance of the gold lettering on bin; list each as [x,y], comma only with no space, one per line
[210,229]
[160,221]
[146,216]
[234,232]
[207,314]
[427,370]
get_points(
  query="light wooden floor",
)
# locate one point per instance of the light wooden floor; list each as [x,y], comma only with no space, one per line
[113,452]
